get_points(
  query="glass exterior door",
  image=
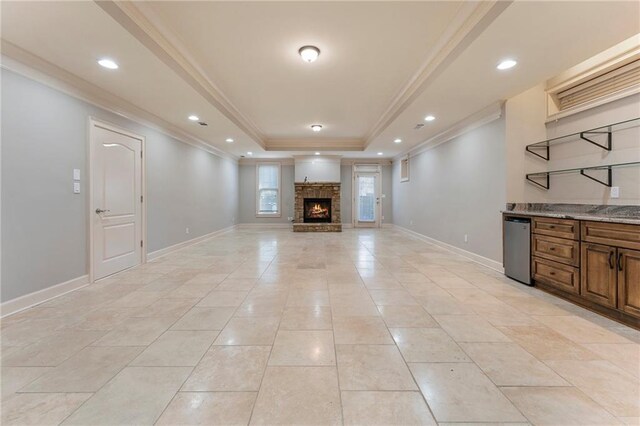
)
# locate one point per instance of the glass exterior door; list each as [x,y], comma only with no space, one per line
[367,200]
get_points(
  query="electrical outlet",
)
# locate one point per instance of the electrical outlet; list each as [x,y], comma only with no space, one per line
[289,218]
[186,231]
[466,238]
[615,192]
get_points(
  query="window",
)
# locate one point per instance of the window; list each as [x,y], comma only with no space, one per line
[404,169]
[268,189]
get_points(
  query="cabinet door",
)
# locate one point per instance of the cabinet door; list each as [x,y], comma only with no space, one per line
[628,264]
[599,274]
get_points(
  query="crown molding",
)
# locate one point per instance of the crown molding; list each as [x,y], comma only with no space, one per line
[284,161]
[470,21]
[20,61]
[138,20]
[320,144]
[365,161]
[480,118]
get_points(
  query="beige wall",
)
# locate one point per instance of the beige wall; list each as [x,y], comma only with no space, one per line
[525,123]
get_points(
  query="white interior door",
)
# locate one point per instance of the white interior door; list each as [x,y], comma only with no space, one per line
[367,200]
[116,206]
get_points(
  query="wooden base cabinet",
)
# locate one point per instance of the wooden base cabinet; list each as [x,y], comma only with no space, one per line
[599,274]
[628,265]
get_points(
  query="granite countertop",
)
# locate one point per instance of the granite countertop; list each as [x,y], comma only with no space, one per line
[596,213]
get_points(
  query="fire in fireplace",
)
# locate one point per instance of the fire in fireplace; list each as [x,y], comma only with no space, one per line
[317,210]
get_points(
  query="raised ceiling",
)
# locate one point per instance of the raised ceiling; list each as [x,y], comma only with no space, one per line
[383,66]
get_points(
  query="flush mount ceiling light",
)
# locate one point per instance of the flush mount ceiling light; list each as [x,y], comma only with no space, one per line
[506,64]
[398,140]
[228,140]
[108,63]
[317,153]
[194,118]
[380,153]
[316,127]
[429,118]
[309,53]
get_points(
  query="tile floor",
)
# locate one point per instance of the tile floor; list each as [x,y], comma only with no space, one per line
[271,327]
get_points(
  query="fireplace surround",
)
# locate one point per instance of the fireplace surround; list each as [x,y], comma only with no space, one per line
[317,207]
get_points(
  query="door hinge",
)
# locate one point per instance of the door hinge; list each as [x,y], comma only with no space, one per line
[141,243]
[140,153]
[141,198]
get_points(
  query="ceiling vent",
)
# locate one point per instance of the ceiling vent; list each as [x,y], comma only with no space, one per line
[419,126]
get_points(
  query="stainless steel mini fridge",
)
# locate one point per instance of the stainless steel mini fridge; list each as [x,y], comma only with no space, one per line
[517,248]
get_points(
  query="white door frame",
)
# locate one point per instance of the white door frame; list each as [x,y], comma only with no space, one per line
[366,169]
[94,122]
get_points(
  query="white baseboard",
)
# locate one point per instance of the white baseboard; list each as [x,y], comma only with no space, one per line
[265,226]
[484,261]
[165,251]
[37,297]
[387,225]
[347,225]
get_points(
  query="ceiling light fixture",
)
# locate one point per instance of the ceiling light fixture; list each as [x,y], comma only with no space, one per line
[317,153]
[108,63]
[309,53]
[316,127]
[249,153]
[429,118]
[506,64]
[194,118]
[228,140]
[397,140]
[380,153]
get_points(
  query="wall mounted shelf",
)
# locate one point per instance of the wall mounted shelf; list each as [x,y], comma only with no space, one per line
[535,178]
[542,149]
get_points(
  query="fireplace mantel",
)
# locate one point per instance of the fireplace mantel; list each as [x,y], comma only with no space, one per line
[317,190]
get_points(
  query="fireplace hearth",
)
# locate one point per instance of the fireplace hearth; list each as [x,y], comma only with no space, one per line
[317,207]
[317,210]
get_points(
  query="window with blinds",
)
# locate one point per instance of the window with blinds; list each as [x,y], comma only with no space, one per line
[610,83]
[268,189]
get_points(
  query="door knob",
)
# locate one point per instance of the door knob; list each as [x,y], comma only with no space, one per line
[99,210]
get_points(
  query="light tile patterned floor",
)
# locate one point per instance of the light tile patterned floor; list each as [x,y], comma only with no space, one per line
[274,327]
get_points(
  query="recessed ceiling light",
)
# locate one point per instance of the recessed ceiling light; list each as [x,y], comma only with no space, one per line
[228,140]
[194,118]
[429,118]
[309,53]
[506,64]
[108,63]
[397,140]
[316,127]
[249,153]
[380,153]
[317,153]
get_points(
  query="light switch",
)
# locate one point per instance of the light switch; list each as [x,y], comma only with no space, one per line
[76,187]
[76,174]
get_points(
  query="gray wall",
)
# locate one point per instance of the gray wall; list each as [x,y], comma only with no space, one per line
[44,225]
[247,209]
[247,203]
[457,188]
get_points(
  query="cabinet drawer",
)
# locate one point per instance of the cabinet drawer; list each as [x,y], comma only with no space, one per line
[556,274]
[559,228]
[558,249]
[613,234]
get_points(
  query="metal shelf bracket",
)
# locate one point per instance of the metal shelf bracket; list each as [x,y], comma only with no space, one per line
[609,138]
[530,149]
[608,182]
[545,185]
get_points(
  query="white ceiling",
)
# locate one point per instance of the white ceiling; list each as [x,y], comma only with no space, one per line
[247,52]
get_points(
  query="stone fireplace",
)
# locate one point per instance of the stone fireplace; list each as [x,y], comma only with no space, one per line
[317,207]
